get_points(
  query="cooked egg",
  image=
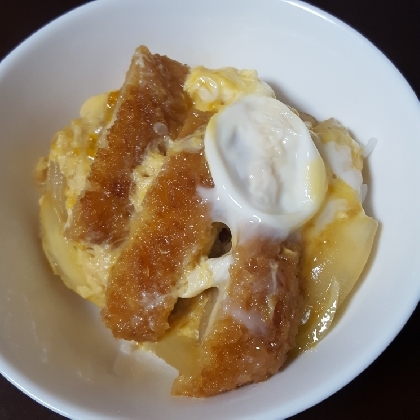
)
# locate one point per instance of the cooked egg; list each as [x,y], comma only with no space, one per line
[212,90]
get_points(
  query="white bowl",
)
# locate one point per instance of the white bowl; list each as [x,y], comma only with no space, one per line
[53,345]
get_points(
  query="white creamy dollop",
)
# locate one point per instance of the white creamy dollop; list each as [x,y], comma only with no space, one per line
[266,169]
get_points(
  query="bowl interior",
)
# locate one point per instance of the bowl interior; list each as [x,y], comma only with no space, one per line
[53,344]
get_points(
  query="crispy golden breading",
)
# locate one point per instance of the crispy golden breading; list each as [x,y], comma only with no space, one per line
[152,93]
[168,236]
[254,323]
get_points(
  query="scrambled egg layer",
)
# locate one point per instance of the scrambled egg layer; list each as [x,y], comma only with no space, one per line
[211,90]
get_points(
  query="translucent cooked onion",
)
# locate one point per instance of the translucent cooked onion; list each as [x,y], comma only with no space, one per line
[56,185]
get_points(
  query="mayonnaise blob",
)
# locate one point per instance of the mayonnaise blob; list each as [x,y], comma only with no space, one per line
[266,169]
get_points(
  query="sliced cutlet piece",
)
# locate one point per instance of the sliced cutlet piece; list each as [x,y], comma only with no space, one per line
[152,95]
[167,238]
[253,324]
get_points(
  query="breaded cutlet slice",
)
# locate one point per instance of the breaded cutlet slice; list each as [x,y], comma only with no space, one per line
[168,236]
[253,324]
[151,97]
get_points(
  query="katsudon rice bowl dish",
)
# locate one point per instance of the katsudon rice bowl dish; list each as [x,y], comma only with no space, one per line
[195,222]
